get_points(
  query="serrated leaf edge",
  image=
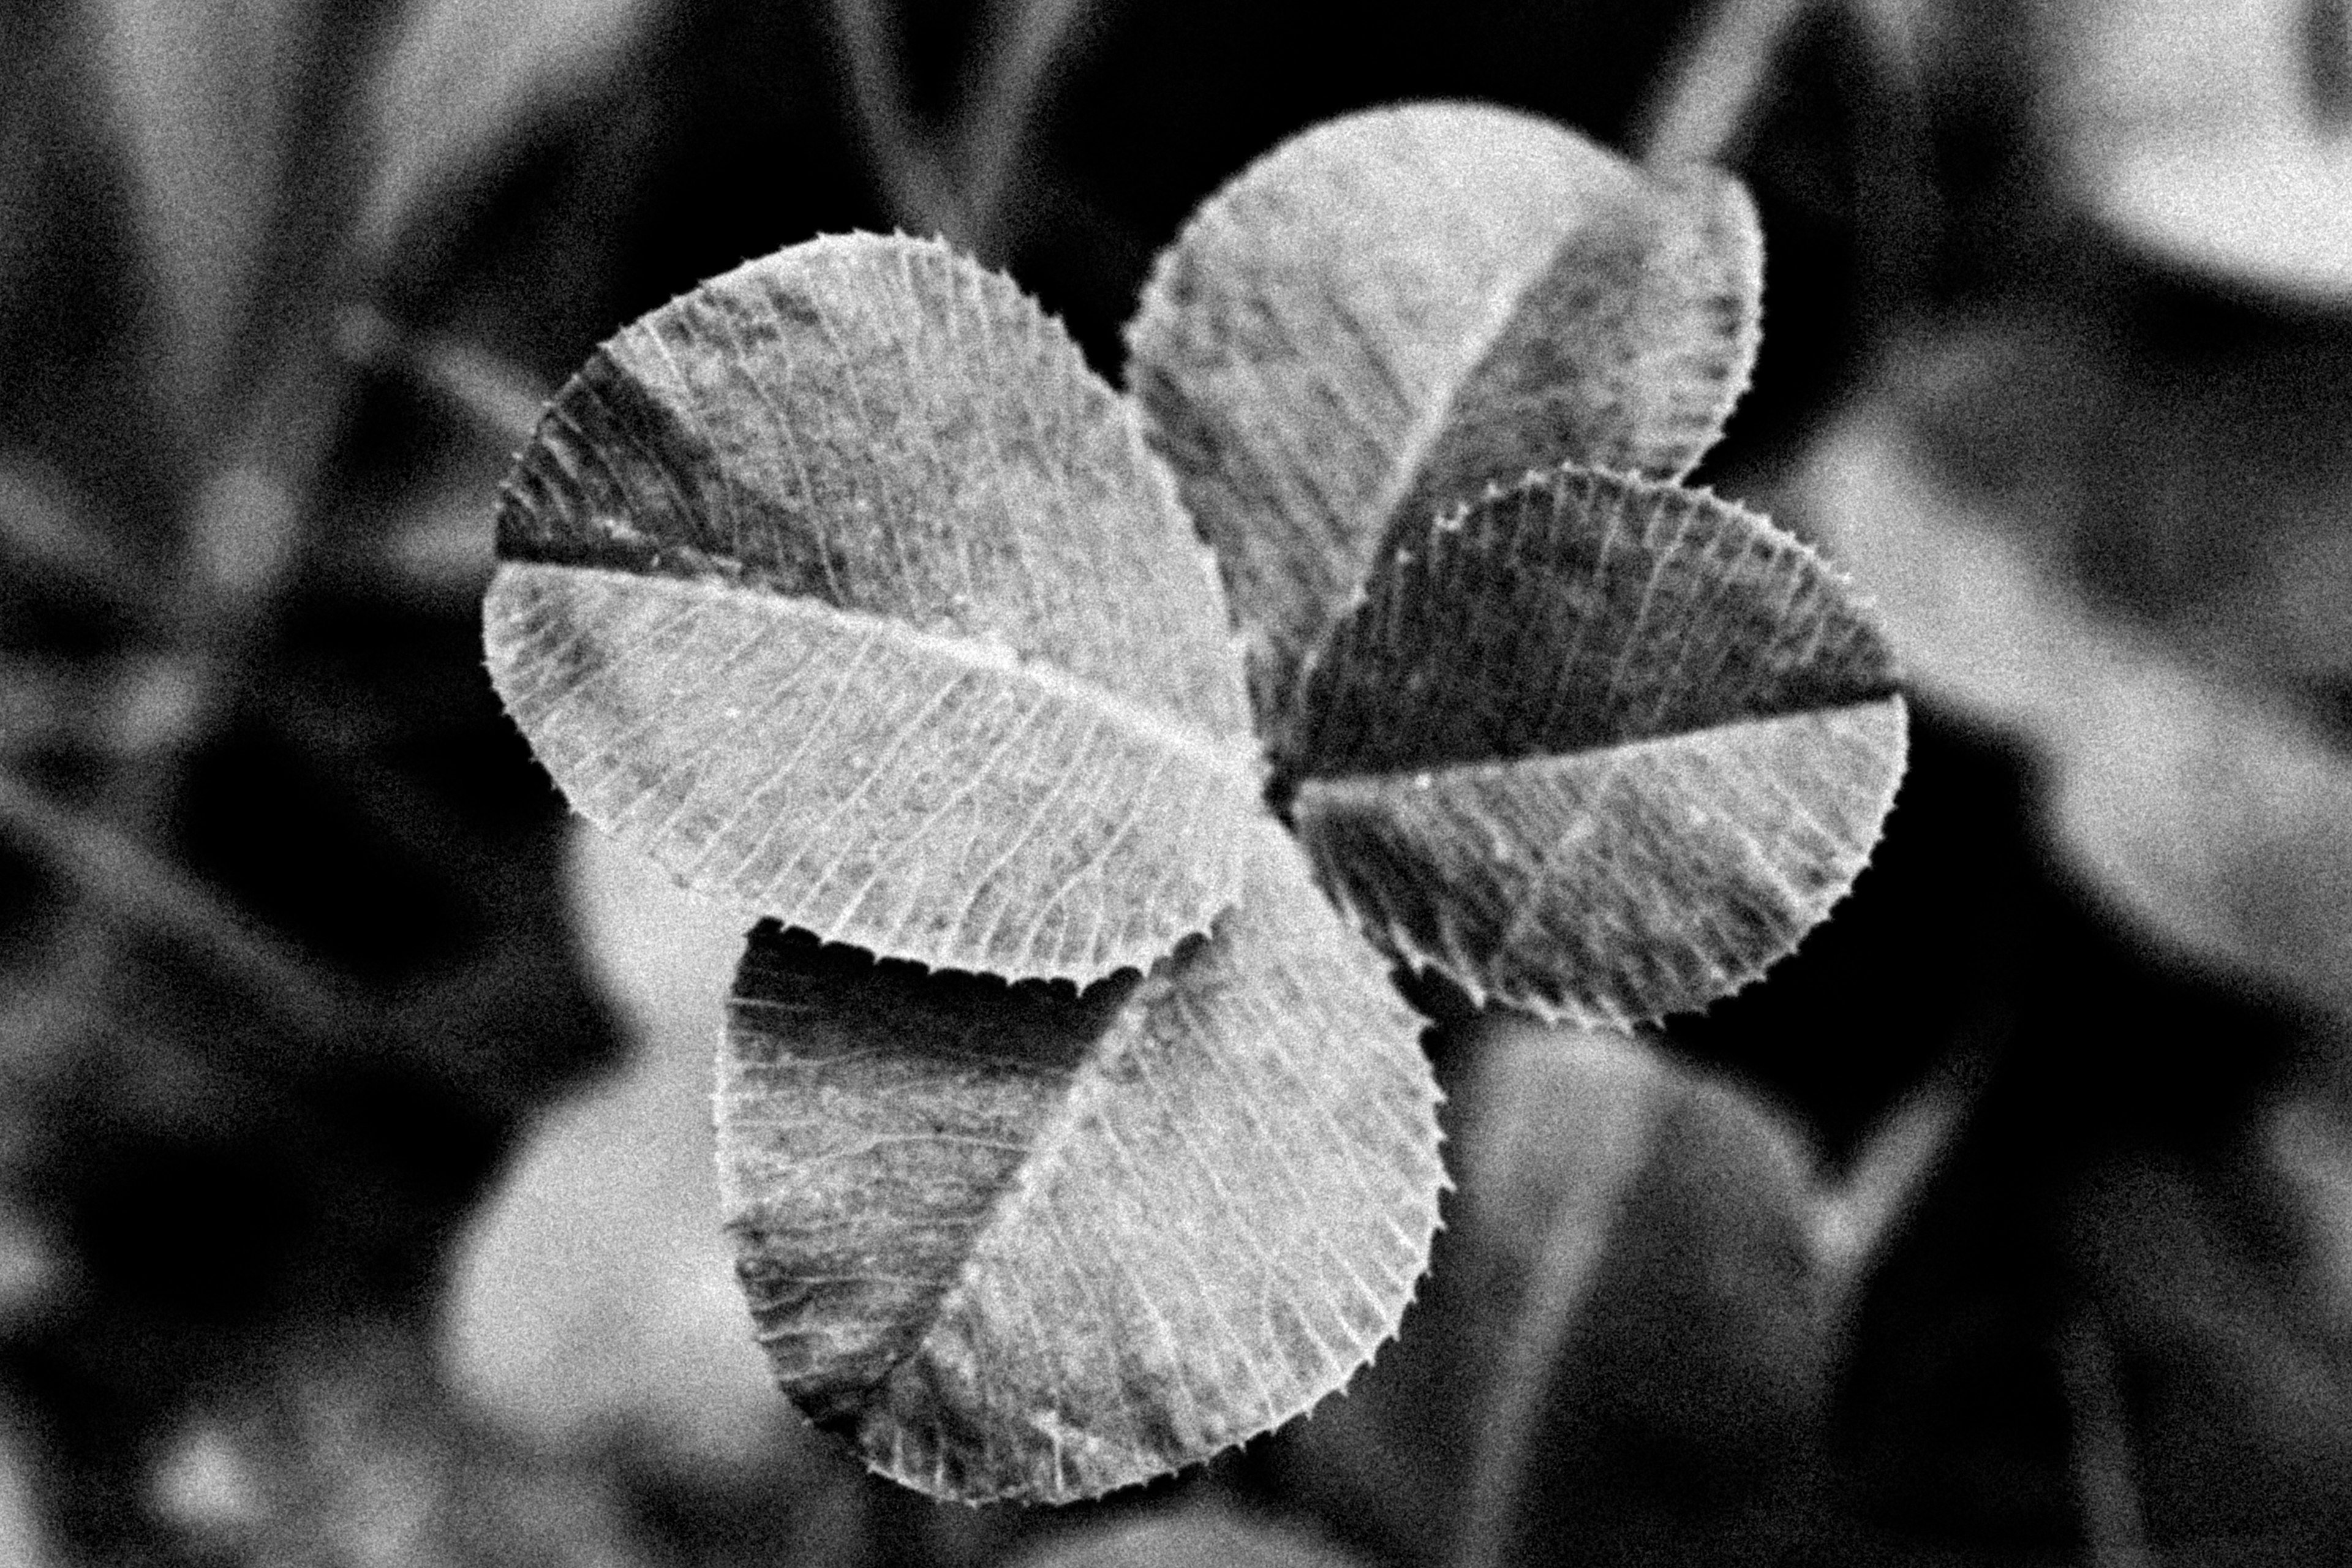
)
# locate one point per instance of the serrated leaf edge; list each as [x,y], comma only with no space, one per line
[1748,341]
[1285,781]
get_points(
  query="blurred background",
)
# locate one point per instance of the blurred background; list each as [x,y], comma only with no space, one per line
[356,1194]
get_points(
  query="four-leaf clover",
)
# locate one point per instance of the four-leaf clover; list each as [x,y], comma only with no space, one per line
[1069,1124]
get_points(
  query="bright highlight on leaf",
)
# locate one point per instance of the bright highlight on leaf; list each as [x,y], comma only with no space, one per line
[1396,309]
[1599,748]
[842,588]
[1023,1242]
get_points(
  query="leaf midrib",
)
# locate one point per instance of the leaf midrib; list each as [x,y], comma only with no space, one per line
[1437,415]
[1088,1085]
[1348,778]
[1235,758]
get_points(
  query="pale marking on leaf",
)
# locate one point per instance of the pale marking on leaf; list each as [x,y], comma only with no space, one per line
[693,760]
[1523,919]
[1025,727]
[1119,835]
[1039,814]
[1030,1180]
[1234,1208]
[1167,1334]
[758,801]
[1436,415]
[677,657]
[532,688]
[1036,723]
[1280,1147]
[1047,907]
[1266,1398]
[1235,758]
[877,767]
[817,727]
[658,648]
[579,640]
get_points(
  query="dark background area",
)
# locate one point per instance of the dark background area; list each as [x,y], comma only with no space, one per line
[296,973]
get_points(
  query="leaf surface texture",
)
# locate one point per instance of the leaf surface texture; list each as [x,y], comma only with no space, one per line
[843,588]
[2210,807]
[1600,748]
[1022,1241]
[1394,309]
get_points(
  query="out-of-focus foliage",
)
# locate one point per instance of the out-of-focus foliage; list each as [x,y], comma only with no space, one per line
[286,963]
[2103,499]
[2216,134]
[613,1193]
[1623,1339]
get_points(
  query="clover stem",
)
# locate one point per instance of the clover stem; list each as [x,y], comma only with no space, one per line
[1707,101]
[915,189]
[2106,1485]
[1032,40]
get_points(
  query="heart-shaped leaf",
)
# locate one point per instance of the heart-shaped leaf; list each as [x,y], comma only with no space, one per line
[1600,748]
[1020,1241]
[1396,309]
[843,588]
